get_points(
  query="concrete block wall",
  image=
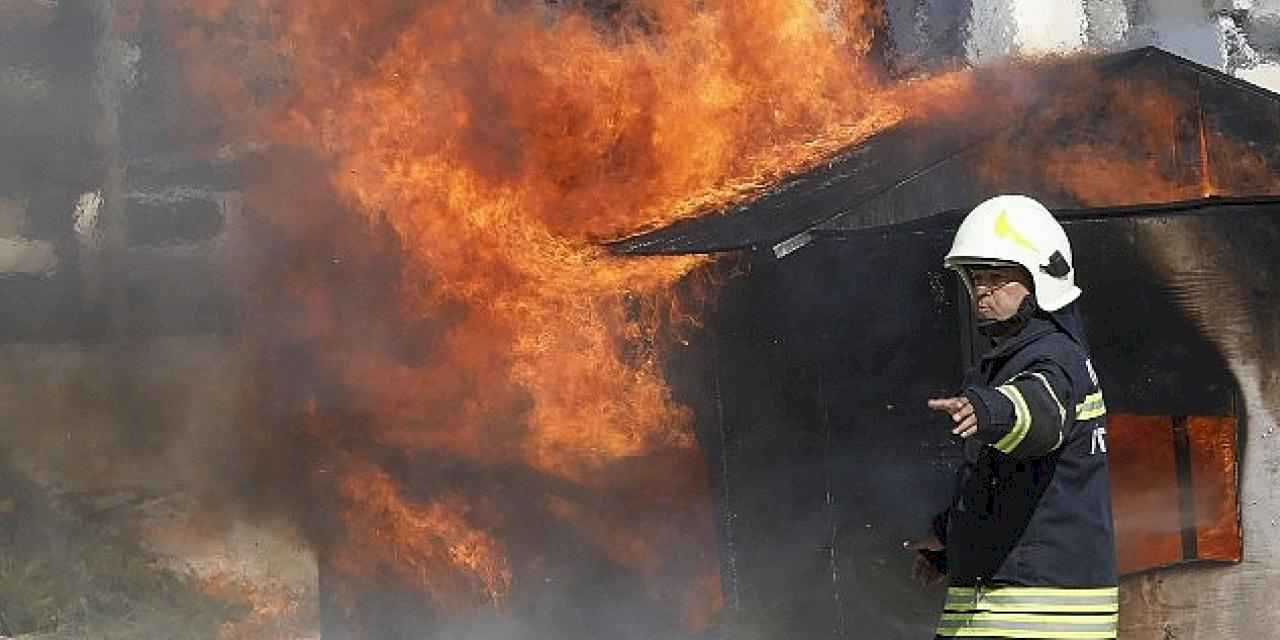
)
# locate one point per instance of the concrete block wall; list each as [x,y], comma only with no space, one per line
[101,199]
[122,370]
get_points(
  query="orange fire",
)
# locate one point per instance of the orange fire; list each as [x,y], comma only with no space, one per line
[497,142]
[501,142]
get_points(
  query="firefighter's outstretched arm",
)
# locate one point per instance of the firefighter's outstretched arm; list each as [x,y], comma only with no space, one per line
[1027,416]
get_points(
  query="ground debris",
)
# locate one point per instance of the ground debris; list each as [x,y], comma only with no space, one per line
[64,577]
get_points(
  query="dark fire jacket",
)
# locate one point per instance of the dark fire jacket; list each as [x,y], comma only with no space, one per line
[1029,539]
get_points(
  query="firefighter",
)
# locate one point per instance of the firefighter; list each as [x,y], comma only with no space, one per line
[1027,542]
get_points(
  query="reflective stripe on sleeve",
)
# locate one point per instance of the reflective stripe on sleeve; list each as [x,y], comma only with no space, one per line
[1093,407]
[1062,411]
[1021,420]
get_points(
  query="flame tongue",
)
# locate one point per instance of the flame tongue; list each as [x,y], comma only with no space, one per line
[433,545]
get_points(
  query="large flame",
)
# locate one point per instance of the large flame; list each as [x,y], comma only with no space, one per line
[497,142]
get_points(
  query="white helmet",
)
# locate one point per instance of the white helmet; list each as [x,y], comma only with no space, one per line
[1018,230]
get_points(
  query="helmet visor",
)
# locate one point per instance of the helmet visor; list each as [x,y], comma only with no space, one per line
[986,274]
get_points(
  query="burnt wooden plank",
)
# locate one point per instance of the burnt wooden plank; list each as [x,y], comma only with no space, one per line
[812,198]
[1186,491]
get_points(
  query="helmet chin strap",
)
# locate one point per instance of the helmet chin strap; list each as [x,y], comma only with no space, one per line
[996,329]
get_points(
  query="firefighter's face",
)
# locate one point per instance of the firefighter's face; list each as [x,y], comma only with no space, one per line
[998,291]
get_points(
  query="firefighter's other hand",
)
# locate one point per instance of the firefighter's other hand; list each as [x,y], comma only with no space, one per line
[961,412]
[923,570]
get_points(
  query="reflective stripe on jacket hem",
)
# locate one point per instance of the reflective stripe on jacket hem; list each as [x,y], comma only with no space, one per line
[1010,625]
[1030,612]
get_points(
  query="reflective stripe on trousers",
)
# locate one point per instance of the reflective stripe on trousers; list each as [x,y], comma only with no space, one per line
[1030,612]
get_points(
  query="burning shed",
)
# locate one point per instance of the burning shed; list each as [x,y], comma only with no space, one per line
[292,313]
[836,322]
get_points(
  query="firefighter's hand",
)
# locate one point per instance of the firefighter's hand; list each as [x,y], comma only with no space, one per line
[924,571]
[961,412]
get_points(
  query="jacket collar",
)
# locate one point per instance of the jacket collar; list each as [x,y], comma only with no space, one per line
[1036,326]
